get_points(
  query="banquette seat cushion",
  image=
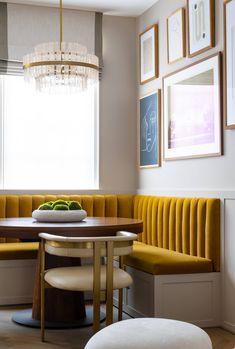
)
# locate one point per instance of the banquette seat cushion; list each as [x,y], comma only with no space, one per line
[160,261]
[16,250]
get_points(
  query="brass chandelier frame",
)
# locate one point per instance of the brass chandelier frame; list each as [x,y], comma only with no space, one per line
[61,62]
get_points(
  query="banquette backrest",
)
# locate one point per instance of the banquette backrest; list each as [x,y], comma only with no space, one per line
[187,225]
[95,205]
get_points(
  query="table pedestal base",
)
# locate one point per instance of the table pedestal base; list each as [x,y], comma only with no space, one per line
[24,317]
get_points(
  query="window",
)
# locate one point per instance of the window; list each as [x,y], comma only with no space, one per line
[48,141]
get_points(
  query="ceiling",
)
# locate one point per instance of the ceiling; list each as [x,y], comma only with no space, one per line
[131,8]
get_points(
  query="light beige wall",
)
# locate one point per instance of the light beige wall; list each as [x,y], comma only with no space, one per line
[212,173]
[118,106]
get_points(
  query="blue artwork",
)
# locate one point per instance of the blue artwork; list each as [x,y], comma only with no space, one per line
[149,130]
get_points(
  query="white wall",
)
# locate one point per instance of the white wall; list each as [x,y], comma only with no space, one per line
[118,111]
[205,177]
[207,174]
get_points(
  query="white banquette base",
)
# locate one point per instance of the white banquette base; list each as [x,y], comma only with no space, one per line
[192,298]
[17,281]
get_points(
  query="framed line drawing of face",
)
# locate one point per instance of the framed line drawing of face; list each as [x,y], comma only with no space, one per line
[149,130]
[201,26]
[176,49]
[148,41]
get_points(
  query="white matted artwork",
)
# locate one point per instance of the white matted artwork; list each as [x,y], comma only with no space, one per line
[149,54]
[229,63]
[176,36]
[201,25]
[192,111]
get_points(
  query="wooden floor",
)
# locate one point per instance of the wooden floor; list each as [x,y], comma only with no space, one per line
[221,339]
[13,336]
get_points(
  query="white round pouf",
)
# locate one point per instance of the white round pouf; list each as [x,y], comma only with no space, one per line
[150,333]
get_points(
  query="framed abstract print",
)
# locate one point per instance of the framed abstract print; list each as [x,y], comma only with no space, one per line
[192,111]
[229,63]
[149,130]
[149,54]
[176,49]
[201,25]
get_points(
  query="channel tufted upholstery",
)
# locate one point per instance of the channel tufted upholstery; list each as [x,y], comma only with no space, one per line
[187,226]
[95,205]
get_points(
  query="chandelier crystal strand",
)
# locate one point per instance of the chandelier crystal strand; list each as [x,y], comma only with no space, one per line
[60,66]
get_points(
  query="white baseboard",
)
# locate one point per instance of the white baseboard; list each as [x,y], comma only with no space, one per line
[193,298]
[17,281]
[228,326]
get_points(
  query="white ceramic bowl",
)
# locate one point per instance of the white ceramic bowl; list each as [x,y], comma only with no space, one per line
[59,216]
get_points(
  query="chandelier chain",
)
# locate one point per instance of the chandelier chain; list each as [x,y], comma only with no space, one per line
[61,25]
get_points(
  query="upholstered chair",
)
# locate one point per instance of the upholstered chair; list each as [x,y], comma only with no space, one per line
[95,277]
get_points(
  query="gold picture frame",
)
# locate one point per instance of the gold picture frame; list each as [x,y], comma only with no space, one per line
[193,110]
[176,36]
[148,54]
[202,38]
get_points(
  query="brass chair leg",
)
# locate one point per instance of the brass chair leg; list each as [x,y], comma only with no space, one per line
[96,289]
[109,284]
[120,292]
[42,246]
[42,311]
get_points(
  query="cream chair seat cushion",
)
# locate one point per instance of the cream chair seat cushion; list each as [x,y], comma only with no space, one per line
[150,333]
[81,278]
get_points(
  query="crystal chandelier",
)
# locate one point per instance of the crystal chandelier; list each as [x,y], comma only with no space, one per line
[60,66]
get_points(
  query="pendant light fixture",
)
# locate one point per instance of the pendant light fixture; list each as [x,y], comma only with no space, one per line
[60,66]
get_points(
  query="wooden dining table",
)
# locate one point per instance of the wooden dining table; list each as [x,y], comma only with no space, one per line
[64,309]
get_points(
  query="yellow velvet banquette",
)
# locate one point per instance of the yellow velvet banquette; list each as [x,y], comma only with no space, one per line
[180,235]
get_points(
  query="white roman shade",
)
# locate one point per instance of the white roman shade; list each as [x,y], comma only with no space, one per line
[23,26]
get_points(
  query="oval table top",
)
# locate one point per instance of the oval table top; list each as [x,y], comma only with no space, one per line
[29,228]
